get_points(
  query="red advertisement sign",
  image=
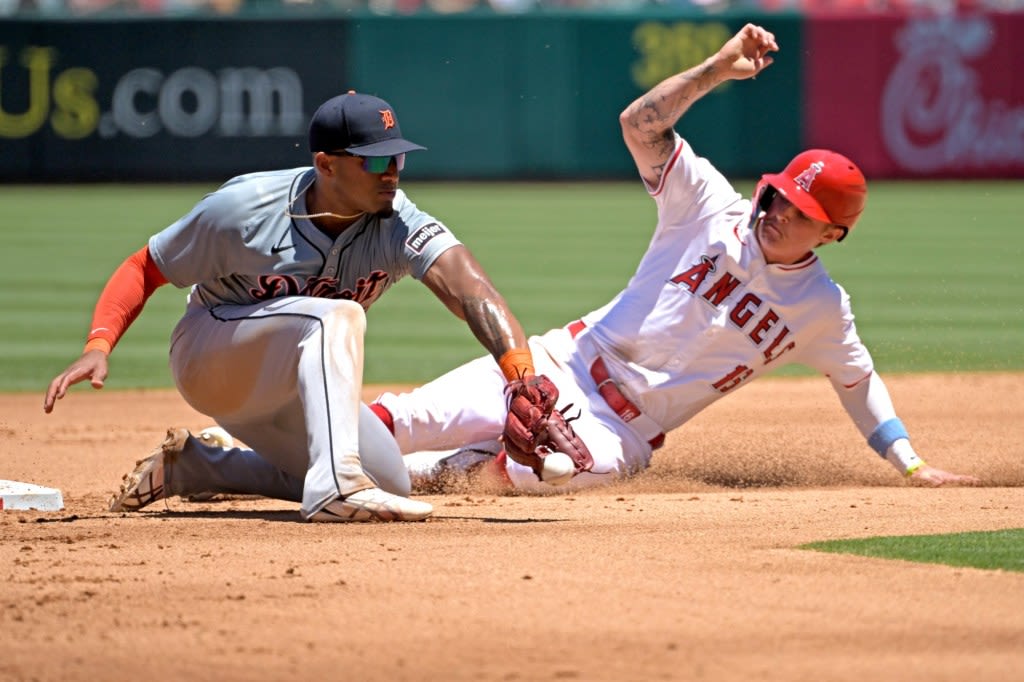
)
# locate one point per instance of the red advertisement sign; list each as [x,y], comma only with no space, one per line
[935,97]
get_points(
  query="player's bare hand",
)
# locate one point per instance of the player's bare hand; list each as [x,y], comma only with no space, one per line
[931,476]
[746,54]
[92,366]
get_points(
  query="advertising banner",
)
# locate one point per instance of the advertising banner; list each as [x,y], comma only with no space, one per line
[919,97]
[539,97]
[161,100]
[527,97]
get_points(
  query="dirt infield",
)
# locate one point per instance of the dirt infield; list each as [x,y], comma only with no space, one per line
[688,572]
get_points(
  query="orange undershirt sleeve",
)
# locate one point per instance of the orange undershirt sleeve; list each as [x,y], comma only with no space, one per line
[123,298]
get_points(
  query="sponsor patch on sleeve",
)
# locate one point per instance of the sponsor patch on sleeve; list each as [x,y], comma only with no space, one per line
[419,239]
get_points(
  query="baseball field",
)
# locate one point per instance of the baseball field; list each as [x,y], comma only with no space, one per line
[709,566]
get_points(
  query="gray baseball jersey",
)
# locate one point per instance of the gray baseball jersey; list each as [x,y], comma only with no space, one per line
[239,245]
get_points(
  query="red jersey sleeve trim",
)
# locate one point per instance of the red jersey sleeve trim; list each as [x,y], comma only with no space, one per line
[668,168]
[123,298]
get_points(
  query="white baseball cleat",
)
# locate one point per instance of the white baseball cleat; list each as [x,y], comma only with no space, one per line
[373,504]
[144,484]
[215,437]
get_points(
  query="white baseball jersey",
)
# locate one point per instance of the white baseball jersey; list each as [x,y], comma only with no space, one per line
[703,315]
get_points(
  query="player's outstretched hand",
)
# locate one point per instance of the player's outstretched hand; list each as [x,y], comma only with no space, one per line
[746,54]
[927,475]
[92,366]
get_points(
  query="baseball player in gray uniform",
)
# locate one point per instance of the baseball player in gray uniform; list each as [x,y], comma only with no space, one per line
[282,266]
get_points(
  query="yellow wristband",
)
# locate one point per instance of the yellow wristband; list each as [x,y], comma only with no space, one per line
[914,467]
[98,344]
[516,363]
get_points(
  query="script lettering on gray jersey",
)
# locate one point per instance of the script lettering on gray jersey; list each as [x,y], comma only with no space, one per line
[274,286]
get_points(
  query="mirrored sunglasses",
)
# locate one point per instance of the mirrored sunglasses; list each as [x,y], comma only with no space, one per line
[376,164]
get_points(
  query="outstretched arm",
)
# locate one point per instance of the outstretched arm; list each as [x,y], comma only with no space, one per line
[459,281]
[647,123]
[534,428]
[120,303]
[870,406]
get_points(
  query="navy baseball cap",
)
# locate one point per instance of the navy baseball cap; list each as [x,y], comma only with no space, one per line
[358,124]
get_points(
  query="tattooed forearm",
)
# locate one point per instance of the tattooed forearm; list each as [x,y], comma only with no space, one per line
[656,112]
[648,122]
[492,324]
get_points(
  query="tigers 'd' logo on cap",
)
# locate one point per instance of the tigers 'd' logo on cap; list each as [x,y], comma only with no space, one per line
[387,117]
[806,178]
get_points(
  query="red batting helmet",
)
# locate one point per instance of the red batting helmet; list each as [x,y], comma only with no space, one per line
[823,184]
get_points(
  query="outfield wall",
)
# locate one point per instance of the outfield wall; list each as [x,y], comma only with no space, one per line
[502,97]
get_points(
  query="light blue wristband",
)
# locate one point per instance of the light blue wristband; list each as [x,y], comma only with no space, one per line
[887,433]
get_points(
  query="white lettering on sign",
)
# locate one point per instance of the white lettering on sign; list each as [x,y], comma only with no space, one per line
[933,115]
[190,102]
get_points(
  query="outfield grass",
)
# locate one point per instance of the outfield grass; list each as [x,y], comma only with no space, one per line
[1002,549]
[933,269]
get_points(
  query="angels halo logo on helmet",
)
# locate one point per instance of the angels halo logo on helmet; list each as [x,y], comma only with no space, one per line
[823,184]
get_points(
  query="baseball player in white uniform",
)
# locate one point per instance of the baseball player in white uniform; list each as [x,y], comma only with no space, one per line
[728,290]
[282,266]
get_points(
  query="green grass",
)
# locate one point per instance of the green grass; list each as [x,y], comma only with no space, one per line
[994,550]
[934,273]
[933,269]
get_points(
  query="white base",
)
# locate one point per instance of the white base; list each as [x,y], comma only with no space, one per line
[18,495]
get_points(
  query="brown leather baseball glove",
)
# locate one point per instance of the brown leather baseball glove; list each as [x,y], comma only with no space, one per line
[535,429]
